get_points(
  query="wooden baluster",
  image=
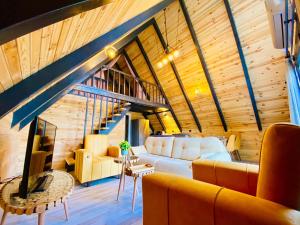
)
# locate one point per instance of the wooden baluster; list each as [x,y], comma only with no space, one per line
[100,116]
[142,91]
[107,80]
[119,101]
[106,112]
[124,85]
[113,87]
[129,87]
[92,81]
[112,108]
[156,94]
[119,89]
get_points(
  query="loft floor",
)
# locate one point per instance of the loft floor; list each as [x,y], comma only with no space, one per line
[94,205]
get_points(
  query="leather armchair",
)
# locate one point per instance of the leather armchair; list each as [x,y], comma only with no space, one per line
[232,193]
[96,160]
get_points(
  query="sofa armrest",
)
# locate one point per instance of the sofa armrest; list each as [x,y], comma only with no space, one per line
[168,199]
[236,176]
[83,165]
[114,151]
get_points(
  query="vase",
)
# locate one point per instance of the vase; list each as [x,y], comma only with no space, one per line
[124,152]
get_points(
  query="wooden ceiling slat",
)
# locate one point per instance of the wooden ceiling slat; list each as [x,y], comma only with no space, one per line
[6,81]
[203,62]
[35,48]
[45,45]
[12,59]
[23,44]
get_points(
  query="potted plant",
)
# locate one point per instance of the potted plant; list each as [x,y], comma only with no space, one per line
[124,145]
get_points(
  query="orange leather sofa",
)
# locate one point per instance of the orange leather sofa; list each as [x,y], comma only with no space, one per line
[232,193]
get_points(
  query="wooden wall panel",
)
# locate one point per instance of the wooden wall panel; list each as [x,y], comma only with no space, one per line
[50,43]
[266,68]
[68,115]
[214,31]
[190,68]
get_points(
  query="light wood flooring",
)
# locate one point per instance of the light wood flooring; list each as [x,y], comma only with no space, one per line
[92,205]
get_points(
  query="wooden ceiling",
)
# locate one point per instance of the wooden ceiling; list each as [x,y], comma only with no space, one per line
[266,67]
[27,54]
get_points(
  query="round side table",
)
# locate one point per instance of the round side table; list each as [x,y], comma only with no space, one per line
[58,191]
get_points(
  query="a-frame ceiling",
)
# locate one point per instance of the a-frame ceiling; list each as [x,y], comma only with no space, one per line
[22,57]
[30,53]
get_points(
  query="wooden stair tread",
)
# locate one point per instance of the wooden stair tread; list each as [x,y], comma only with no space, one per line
[104,128]
[111,121]
[70,161]
[117,114]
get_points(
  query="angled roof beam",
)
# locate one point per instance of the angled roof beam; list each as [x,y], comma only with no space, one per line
[203,62]
[151,127]
[40,103]
[157,81]
[161,122]
[243,62]
[175,71]
[24,89]
[32,15]
[141,83]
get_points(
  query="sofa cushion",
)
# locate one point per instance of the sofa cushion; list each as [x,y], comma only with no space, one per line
[150,158]
[159,145]
[211,144]
[186,148]
[219,156]
[176,166]
[137,150]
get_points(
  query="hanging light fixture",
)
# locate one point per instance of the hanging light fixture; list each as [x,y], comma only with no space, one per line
[110,51]
[170,53]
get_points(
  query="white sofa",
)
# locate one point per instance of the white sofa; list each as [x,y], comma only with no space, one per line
[175,155]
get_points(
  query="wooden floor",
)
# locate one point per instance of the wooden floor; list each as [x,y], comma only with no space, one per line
[92,205]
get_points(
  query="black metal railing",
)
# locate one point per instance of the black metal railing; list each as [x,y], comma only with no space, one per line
[116,81]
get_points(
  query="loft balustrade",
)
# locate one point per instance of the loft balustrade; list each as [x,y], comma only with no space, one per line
[120,84]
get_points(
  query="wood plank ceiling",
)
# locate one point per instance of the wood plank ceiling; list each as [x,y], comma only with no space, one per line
[27,54]
[266,67]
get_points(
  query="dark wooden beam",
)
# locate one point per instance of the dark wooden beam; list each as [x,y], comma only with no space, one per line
[161,122]
[203,62]
[40,103]
[159,112]
[141,83]
[175,71]
[22,17]
[157,81]
[62,67]
[151,127]
[243,62]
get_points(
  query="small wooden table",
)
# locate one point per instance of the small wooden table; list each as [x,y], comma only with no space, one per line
[126,161]
[58,191]
[135,172]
